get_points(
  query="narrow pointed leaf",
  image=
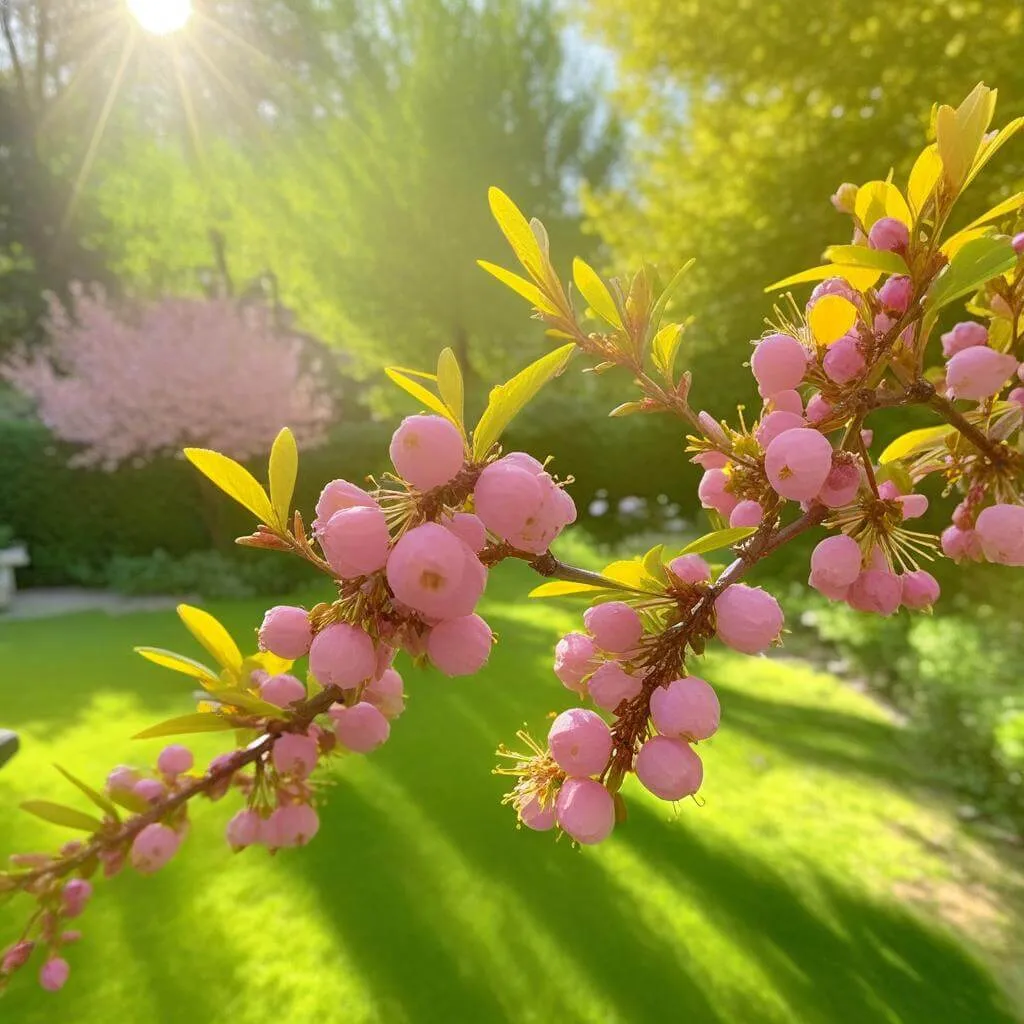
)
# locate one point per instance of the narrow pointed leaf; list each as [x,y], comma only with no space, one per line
[508,399]
[66,817]
[212,635]
[449,383]
[178,663]
[247,702]
[527,289]
[419,392]
[924,176]
[862,256]
[718,539]
[516,228]
[233,479]
[562,588]
[200,721]
[101,801]
[912,442]
[284,469]
[595,291]
[978,261]
[860,278]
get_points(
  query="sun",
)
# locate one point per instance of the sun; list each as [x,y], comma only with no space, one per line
[161,17]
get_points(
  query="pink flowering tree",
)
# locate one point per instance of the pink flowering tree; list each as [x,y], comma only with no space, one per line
[126,385]
[408,556]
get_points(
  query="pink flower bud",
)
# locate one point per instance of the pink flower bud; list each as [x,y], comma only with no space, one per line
[360,728]
[580,742]
[833,591]
[460,647]
[555,511]
[786,401]
[153,847]
[53,975]
[387,694]
[845,197]
[1000,530]
[290,825]
[74,896]
[818,409]
[355,541]
[469,529]
[175,759]
[889,235]
[713,491]
[749,618]
[282,690]
[960,544]
[896,293]
[295,754]
[122,779]
[611,684]
[798,462]
[841,485]
[427,451]
[1016,395]
[690,569]
[914,505]
[778,363]
[776,423]
[533,815]
[506,496]
[16,956]
[1018,243]
[978,372]
[615,626]
[686,708]
[920,589]
[966,334]
[585,810]
[832,286]
[836,561]
[434,573]
[575,657]
[286,632]
[150,789]
[338,494]
[746,513]
[844,360]
[712,429]
[875,590]
[669,768]
[244,829]
[342,655]
[711,460]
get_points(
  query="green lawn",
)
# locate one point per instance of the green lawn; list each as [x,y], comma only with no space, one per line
[786,897]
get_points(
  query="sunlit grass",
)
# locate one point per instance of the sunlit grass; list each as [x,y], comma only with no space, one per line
[419,901]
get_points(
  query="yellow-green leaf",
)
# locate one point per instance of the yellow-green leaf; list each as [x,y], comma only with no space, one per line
[877,199]
[283,471]
[654,562]
[212,635]
[419,392]
[233,479]
[130,801]
[102,802]
[912,442]
[200,721]
[862,256]
[596,292]
[718,539]
[508,399]
[831,317]
[924,176]
[178,663]
[66,817]
[630,572]
[272,663]
[1000,209]
[247,702]
[861,278]
[516,228]
[562,588]
[449,383]
[990,149]
[527,289]
[666,296]
[665,347]
[978,261]
[955,243]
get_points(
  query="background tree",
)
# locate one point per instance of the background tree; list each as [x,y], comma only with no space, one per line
[369,204]
[743,132]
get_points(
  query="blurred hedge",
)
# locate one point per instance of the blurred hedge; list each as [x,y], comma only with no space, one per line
[76,520]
